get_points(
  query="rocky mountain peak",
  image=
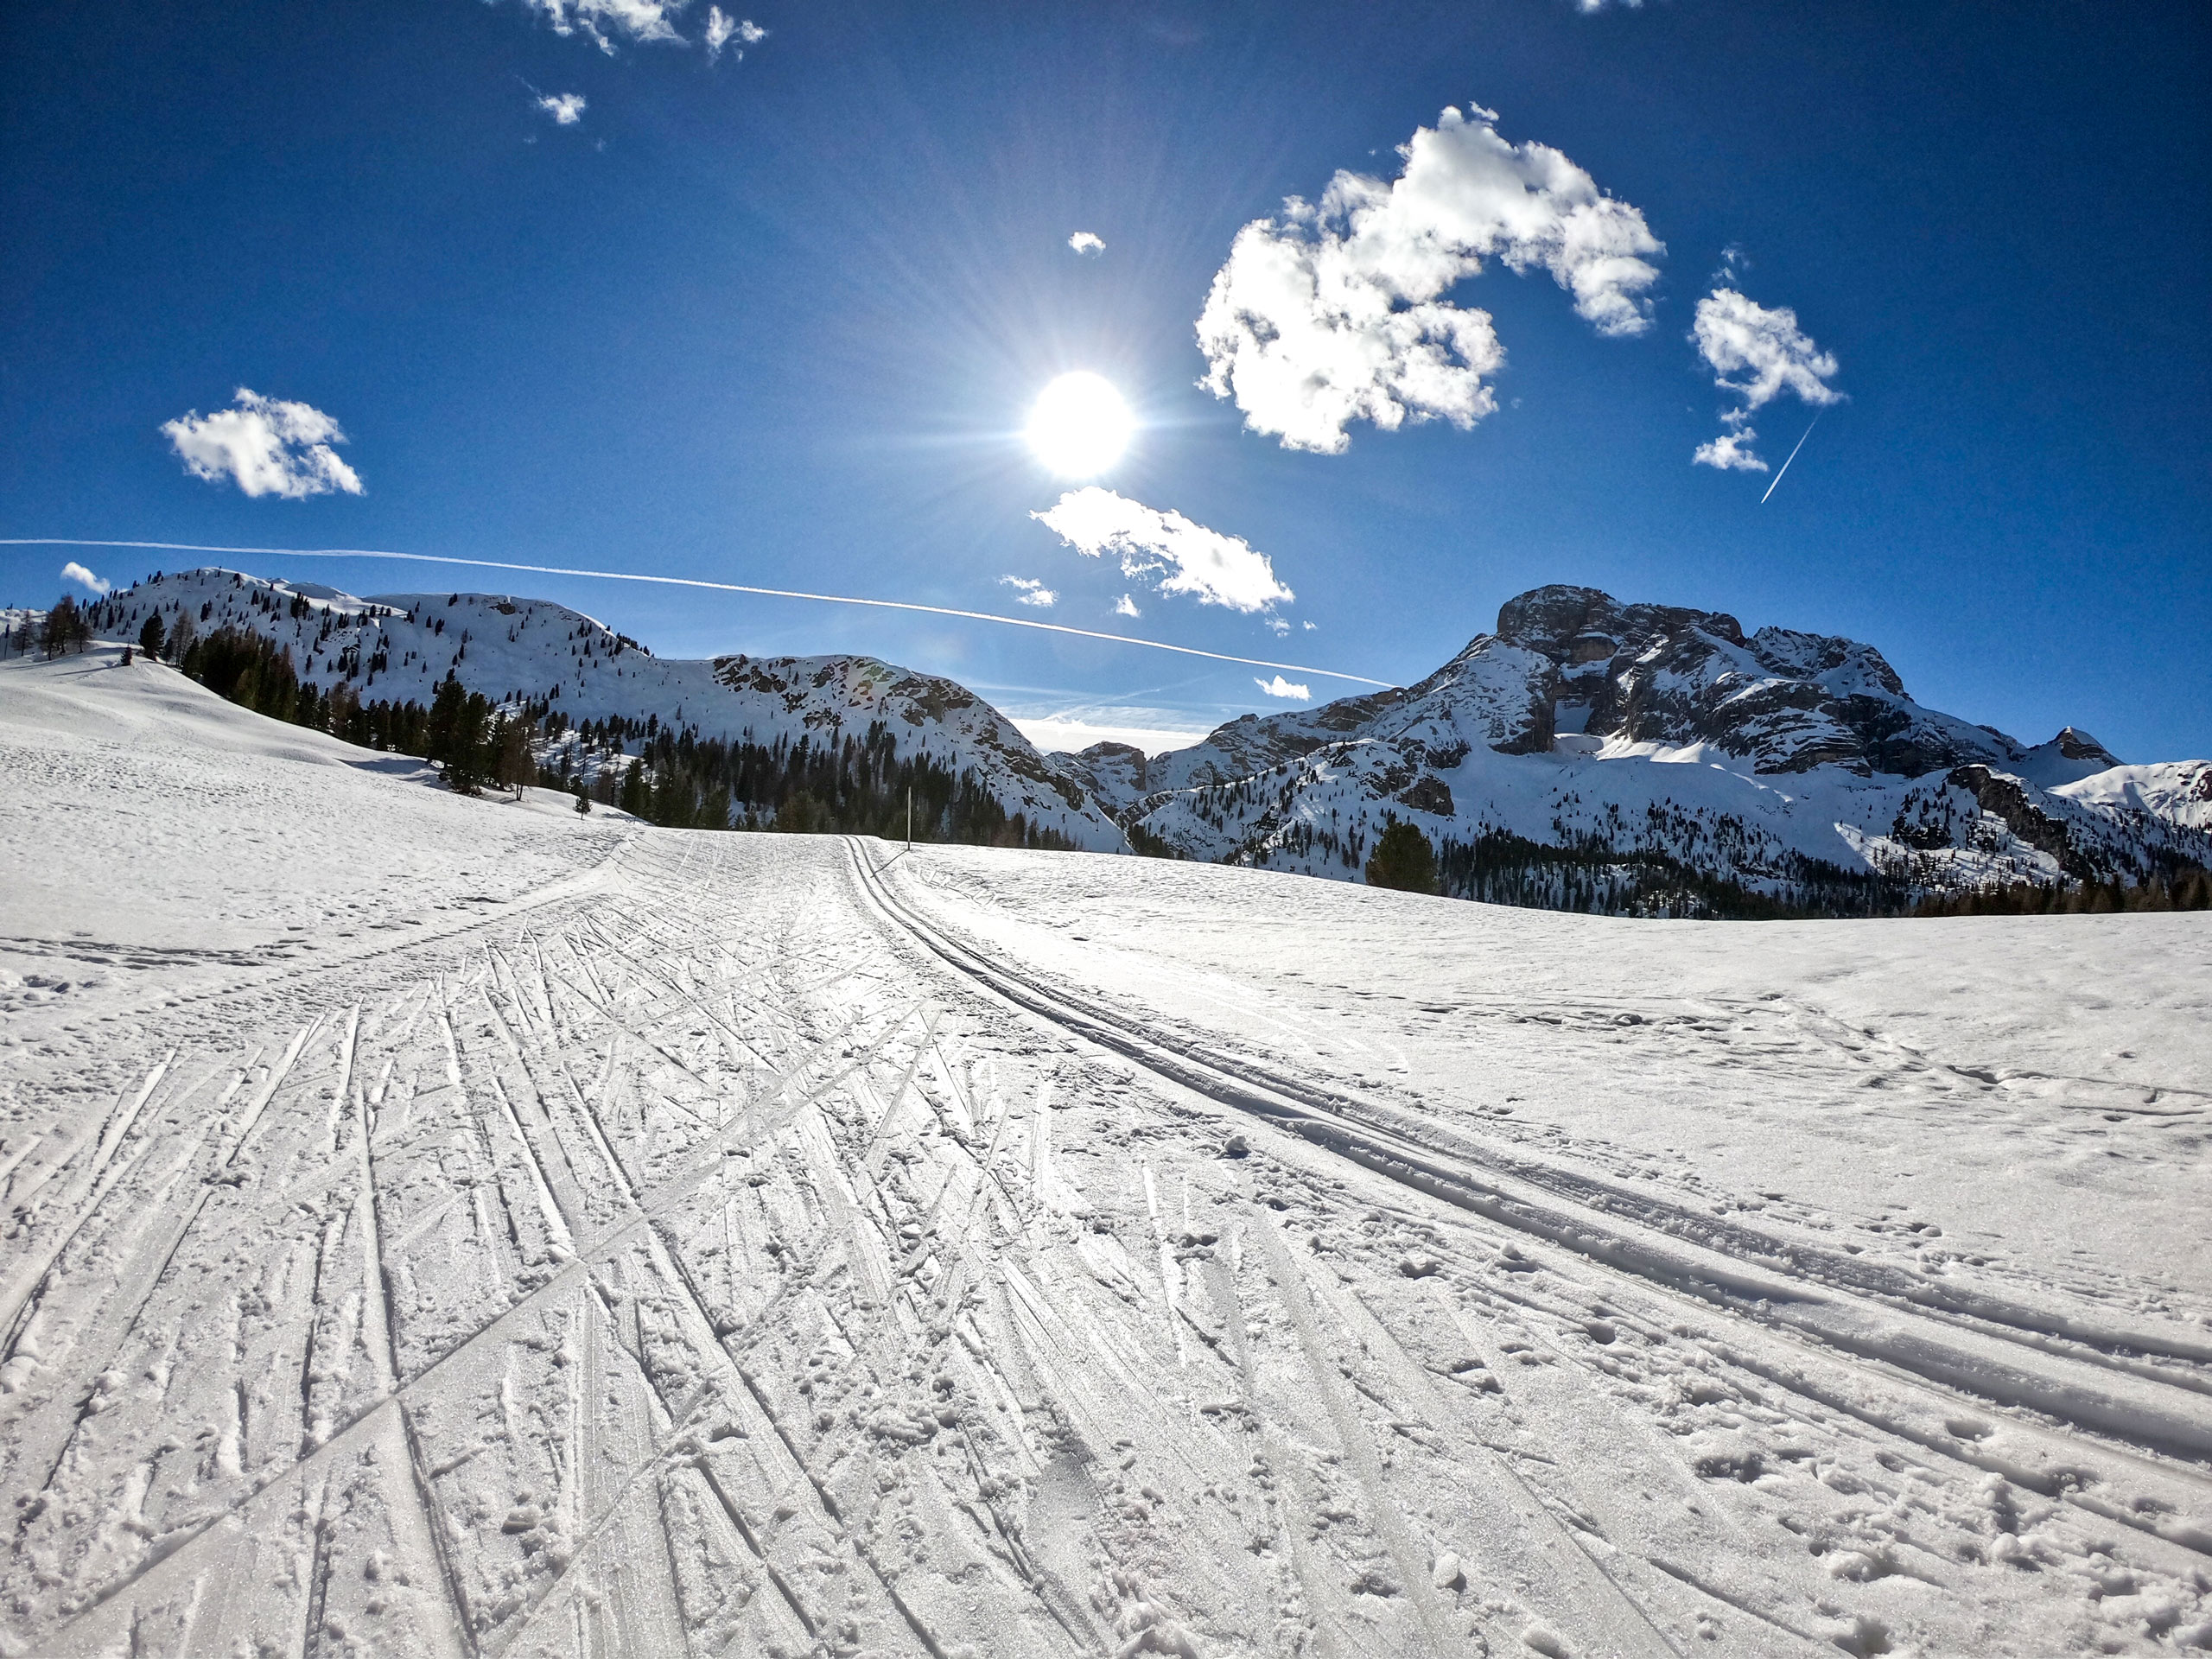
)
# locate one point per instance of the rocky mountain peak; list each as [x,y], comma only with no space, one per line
[1573,626]
[2077,745]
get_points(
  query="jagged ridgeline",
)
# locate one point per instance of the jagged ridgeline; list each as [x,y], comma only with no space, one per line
[498,692]
[1587,755]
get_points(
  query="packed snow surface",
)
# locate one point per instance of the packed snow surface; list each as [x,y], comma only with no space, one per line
[444,1226]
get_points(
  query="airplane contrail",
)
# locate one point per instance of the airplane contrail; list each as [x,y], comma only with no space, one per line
[694,581]
[1793,455]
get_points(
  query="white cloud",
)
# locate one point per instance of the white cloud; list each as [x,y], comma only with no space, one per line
[1126,606]
[1219,569]
[1731,451]
[75,572]
[566,108]
[1087,242]
[723,28]
[1765,347]
[1586,6]
[1279,687]
[266,446]
[1738,335]
[1031,593]
[1333,314]
[602,19]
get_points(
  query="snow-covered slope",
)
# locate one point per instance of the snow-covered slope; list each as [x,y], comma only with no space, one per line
[400,646]
[438,1227]
[1637,753]
[1587,754]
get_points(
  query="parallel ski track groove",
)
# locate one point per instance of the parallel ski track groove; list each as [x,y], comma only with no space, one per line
[1318,1116]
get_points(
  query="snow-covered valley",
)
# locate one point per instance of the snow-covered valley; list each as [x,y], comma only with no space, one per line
[451,1226]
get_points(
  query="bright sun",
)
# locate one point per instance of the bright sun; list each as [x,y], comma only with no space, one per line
[1080,425]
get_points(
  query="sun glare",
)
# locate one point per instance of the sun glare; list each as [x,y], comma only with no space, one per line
[1079,425]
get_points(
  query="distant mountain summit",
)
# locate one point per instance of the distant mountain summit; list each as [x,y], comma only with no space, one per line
[613,698]
[1587,753]
[1650,757]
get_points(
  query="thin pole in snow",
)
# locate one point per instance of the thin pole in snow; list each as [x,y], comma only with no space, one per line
[910,817]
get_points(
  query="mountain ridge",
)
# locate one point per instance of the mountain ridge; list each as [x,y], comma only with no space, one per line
[1585,753]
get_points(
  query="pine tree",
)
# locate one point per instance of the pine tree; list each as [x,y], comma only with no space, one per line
[149,637]
[459,735]
[511,766]
[180,637]
[66,628]
[1403,859]
[583,798]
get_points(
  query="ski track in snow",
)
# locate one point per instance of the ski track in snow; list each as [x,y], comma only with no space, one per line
[791,1245]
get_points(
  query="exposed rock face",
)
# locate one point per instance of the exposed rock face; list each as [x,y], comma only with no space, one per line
[1576,663]
[1784,700]
[2005,799]
[1608,737]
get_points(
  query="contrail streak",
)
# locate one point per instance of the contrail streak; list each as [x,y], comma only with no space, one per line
[693,582]
[1793,455]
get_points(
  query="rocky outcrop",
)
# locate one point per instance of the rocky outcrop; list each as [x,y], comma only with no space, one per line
[1614,739]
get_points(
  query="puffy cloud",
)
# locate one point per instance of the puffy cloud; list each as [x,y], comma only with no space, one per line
[602,20]
[1736,335]
[723,28]
[1031,593]
[1333,314]
[1739,336]
[566,108]
[1086,242]
[1219,569]
[1731,451]
[75,572]
[266,446]
[1126,606]
[1279,687]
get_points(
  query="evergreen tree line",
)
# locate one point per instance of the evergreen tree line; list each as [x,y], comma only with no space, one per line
[64,629]
[842,784]
[678,779]
[2190,889]
[1592,875]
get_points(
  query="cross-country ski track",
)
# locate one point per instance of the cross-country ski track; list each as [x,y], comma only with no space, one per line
[761,1244]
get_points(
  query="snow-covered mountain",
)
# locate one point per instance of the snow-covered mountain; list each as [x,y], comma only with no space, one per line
[1627,756]
[1587,753]
[399,646]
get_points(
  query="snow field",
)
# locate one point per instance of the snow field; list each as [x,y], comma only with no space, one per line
[784,1245]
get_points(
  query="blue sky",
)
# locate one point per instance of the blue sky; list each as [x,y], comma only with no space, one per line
[778,319]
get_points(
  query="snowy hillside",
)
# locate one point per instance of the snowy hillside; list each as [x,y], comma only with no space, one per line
[1587,755]
[400,646]
[1625,756]
[446,1227]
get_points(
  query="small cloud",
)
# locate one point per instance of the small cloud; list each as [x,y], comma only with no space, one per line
[1730,452]
[266,446]
[723,28]
[1279,687]
[1126,606]
[566,108]
[1032,593]
[1308,626]
[1217,569]
[1085,242]
[75,572]
[1764,346]
[600,21]
[1587,7]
